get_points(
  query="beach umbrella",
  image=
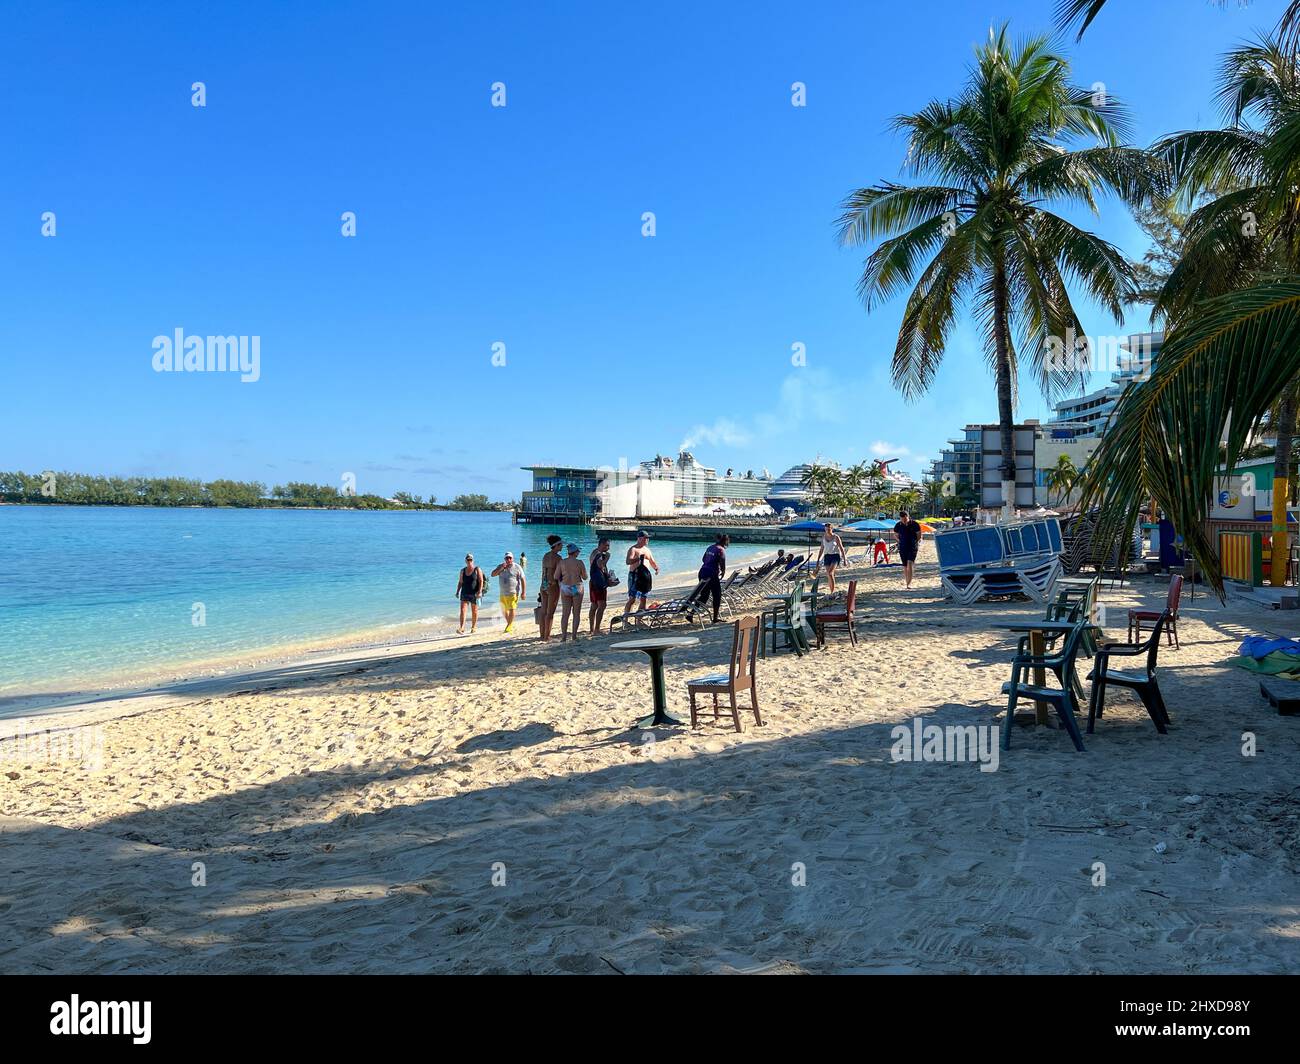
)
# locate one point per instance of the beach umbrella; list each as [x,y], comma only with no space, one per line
[871,525]
[805,526]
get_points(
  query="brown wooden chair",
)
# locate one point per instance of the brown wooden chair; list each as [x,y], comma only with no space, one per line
[1136,617]
[739,677]
[838,618]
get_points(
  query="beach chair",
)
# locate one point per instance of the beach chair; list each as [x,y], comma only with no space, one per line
[837,618]
[1063,699]
[786,620]
[995,561]
[738,592]
[739,677]
[1136,618]
[1142,683]
[688,608]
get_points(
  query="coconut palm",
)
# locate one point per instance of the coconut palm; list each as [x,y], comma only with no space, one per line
[981,233]
[1062,477]
[1233,300]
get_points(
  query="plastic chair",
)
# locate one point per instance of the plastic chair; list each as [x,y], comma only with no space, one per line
[1170,612]
[1064,700]
[1143,683]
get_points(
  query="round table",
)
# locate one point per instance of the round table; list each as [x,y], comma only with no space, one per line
[655,648]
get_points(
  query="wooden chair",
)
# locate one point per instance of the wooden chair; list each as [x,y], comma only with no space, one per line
[1136,617]
[838,618]
[1143,683]
[786,620]
[740,677]
[1063,700]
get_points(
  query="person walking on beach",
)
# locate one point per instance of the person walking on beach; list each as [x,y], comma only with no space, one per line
[908,533]
[713,570]
[470,585]
[572,574]
[598,565]
[510,580]
[831,554]
[549,595]
[639,563]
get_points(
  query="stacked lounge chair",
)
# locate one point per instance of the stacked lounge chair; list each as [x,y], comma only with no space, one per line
[990,561]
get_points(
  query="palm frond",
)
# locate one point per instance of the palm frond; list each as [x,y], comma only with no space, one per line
[1216,375]
[1080,12]
[887,208]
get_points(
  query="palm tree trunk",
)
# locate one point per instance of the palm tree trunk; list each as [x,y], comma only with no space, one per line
[1006,411]
[1282,476]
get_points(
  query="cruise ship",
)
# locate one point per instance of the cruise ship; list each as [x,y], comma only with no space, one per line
[697,486]
[788,489]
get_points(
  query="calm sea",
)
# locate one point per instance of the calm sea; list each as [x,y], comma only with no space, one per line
[92,597]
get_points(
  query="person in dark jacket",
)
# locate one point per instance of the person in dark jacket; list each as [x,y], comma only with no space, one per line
[713,570]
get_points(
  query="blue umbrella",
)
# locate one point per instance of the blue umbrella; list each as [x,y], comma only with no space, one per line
[805,526]
[870,525]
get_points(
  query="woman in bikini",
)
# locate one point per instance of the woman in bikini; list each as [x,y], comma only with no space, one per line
[572,574]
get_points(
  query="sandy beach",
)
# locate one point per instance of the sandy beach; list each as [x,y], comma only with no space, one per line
[483,806]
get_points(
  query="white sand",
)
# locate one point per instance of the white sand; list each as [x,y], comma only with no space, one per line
[349,817]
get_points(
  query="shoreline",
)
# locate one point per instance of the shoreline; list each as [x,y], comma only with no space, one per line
[350,812]
[217,676]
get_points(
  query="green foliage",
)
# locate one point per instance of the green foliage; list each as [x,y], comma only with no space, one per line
[1062,477]
[83,489]
[833,491]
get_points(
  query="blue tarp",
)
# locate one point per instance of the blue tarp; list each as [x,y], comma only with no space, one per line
[1260,647]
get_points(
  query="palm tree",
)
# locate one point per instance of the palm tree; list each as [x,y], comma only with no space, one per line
[981,233]
[908,499]
[932,492]
[1233,300]
[1062,477]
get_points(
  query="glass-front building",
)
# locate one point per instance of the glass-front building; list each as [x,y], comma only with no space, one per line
[561,495]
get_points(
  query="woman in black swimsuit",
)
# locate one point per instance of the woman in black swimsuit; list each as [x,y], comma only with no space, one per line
[469,589]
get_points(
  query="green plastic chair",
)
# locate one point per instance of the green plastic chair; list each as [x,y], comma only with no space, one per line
[1063,699]
[786,620]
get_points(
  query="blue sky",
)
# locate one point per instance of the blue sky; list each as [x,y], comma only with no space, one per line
[478,225]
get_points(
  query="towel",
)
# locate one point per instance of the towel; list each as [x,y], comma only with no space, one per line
[1282,665]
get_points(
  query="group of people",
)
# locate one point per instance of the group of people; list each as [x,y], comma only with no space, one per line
[567,580]
[907,536]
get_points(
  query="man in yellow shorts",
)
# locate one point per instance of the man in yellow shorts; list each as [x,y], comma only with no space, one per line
[513,587]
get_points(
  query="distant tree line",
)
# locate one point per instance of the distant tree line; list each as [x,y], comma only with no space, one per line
[83,489]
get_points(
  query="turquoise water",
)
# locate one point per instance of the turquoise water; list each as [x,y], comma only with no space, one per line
[103,596]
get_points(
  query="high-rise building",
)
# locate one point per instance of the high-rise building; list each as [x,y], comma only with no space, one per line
[1086,416]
